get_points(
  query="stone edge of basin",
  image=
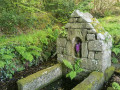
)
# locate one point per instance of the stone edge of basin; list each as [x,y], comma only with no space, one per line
[41,78]
[95,80]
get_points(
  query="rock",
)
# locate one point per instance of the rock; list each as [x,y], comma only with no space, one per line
[73,20]
[100,36]
[94,81]
[77,13]
[90,37]
[96,45]
[84,50]
[88,15]
[109,72]
[89,26]
[61,42]
[40,79]
[92,31]
[91,55]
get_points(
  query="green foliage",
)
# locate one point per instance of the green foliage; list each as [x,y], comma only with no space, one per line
[85,5]
[115,86]
[19,52]
[116,50]
[61,9]
[74,68]
[111,25]
[114,60]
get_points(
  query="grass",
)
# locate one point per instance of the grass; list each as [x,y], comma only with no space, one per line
[112,25]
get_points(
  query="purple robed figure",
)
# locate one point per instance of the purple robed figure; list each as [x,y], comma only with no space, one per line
[77,48]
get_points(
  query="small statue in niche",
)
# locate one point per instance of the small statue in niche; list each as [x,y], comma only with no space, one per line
[77,49]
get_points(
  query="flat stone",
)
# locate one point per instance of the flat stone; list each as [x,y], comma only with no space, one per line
[60,50]
[109,72]
[75,25]
[88,15]
[61,42]
[60,58]
[91,55]
[94,81]
[84,20]
[84,34]
[99,55]
[96,45]
[73,20]
[77,13]
[100,36]
[41,78]
[84,63]
[92,31]
[84,50]
[69,48]
[89,26]
[90,37]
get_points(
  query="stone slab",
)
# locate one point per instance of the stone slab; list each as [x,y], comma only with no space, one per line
[84,50]
[109,72]
[91,55]
[90,37]
[96,45]
[40,79]
[94,81]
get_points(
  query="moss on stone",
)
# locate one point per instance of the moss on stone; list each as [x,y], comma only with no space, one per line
[90,82]
[36,75]
[108,73]
[110,88]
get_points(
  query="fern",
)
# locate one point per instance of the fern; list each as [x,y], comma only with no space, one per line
[74,68]
[116,50]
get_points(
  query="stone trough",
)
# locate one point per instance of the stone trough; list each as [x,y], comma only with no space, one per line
[87,40]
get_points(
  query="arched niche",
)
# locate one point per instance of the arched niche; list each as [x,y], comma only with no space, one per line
[77,47]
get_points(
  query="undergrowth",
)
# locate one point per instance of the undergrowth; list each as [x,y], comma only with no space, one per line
[17,53]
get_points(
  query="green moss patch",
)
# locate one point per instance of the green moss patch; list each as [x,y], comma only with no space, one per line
[108,72]
[23,82]
[93,80]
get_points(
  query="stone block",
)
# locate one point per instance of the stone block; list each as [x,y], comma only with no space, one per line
[90,37]
[89,26]
[92,31]
[77,13]
[73,20]
[109,72]
[84,34]
[69,48]
[40,79]
[91,55]
[60,58]
[84,50]
[84,63]
[60,50]
[61,42]
[96,45]
[75,25]
[70,59]
[94,81]
[88,15]
[100,36]
[99,55]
